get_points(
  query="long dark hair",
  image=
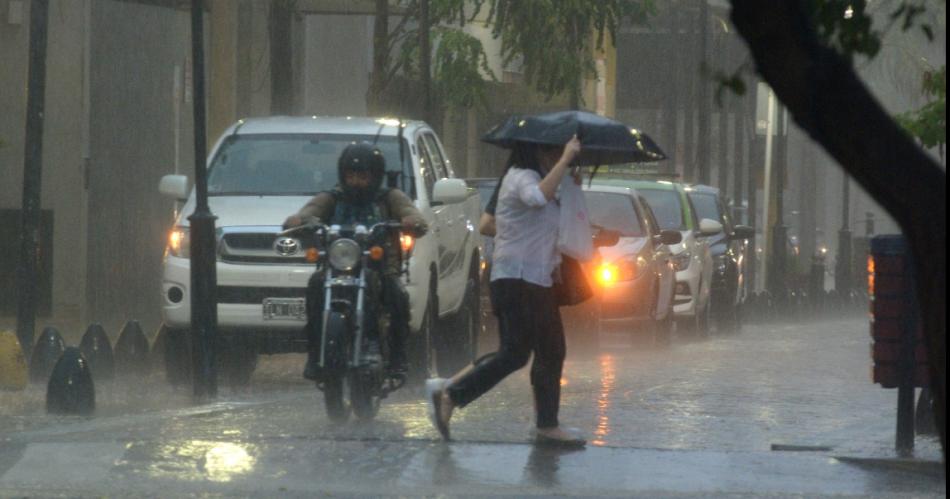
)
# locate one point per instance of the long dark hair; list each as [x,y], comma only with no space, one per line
[524,155]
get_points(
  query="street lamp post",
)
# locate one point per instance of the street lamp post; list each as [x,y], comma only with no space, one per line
[843,265]
[32,178]
[204,314]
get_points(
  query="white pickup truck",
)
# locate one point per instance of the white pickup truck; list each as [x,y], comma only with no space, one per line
[260,171]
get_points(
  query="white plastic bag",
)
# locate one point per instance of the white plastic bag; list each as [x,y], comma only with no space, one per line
[574,237]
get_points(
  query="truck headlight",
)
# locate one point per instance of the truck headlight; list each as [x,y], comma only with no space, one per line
[681,261]
[179,242]
[344,254]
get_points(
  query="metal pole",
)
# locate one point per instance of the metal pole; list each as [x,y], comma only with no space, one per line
[425,53]
[904,440]
[779,231]
[32,178]
[767,191]
[204,313]
[843,265]
[703,158]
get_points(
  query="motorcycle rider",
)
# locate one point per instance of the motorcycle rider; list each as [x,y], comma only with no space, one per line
[360,198]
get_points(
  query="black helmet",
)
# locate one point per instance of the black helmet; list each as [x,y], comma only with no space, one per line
[362,157]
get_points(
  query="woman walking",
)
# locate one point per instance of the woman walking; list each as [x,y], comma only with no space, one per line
[525,256]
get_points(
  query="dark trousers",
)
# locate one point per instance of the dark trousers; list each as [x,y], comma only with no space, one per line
[529,321]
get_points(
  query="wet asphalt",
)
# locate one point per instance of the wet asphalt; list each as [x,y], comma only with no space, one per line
[698,418]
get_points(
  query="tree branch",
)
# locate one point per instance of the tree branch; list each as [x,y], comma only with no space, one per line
[826,98]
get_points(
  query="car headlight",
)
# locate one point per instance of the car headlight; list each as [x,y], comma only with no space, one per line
[681,261]
[179,242]
[344,254]
[622,270]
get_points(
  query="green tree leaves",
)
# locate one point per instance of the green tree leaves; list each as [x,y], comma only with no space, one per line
[929,123]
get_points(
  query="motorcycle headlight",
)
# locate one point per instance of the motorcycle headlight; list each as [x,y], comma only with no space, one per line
[344,254]
[179,242]
[681,261]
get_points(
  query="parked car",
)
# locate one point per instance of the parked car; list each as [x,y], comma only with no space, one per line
[692,258]
[633,279]
[727,290]
[262,170]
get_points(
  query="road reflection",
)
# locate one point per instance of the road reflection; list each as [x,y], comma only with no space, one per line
[607,378]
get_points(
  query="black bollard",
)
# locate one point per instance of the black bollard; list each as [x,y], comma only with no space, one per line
[70,389]
[49,348]
[97,351]
[131,351]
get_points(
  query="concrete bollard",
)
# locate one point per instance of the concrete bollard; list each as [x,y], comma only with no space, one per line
[97,351]
[131,351]
[49,348]
[13,374]
[70,389]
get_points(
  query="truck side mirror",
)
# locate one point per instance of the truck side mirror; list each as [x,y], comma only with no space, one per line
[449,191]
[174,186]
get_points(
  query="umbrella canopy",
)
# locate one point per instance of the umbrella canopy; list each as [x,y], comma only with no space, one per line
[603,140]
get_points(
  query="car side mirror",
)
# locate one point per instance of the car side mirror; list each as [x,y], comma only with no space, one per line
[743,232]
[708,227]
[671,237]
[606,237]
[174,186]
[450,191]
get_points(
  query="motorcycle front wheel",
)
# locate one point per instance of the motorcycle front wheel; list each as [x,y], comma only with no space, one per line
[364,394]
[333,380]
[337,409]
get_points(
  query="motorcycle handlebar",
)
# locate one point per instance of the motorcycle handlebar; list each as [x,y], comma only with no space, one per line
[313,226]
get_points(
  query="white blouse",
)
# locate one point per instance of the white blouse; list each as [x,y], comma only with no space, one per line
[526,228]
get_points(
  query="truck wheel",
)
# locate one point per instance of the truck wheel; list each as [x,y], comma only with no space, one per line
[421,351]
[238,361]
[176,355]
[459,340]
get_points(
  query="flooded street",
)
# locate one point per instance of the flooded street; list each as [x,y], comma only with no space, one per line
[697,418]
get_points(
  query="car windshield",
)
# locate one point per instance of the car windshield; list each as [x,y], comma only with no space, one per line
[667,207]
[706,206]
[614,212]
[293,164]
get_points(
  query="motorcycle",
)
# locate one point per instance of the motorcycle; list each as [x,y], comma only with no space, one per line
[350,262]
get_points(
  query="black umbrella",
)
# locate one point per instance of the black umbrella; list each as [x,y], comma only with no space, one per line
[603,140]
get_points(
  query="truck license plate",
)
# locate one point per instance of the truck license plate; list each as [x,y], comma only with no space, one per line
[285,308]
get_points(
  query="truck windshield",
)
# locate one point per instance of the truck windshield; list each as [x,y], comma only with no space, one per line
[667,207]
[295,164]
[614,212]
